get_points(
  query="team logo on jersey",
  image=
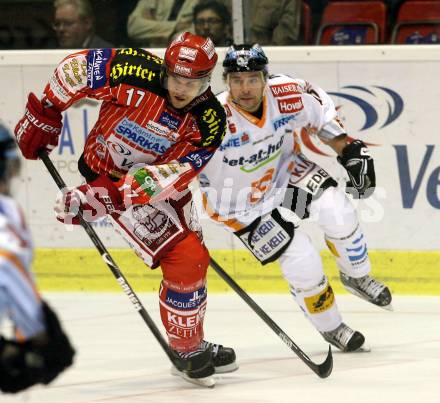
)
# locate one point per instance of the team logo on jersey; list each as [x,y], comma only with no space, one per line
[282,121]
[118,148]
[235,141]
[169,120]
[282,90]
[127,69]
[162,131]
[73,70]
[197,159]
[257,160]
[211,127]
[290,105]
[97,60]
[142,137]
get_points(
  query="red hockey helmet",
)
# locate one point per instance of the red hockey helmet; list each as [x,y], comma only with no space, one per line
[190,56]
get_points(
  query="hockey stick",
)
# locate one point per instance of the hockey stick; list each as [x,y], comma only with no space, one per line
[120,278]
[322,370]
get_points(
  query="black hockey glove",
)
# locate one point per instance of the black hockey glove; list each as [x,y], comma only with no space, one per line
[356,159]
[25,364]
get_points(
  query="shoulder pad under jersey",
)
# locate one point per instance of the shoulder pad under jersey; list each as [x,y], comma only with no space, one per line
[138,68]
[223,97]
[282,86]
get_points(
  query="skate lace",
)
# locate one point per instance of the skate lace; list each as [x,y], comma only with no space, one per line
[342,334]
[370,286]
[215,347]
[190,354]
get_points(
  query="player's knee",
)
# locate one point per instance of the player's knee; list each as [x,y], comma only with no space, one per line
[334,212]
[300,263]
[187,262]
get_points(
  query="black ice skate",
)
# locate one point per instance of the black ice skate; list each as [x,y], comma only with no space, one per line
[223,358]
[196,367]
[368,289]
[346,339]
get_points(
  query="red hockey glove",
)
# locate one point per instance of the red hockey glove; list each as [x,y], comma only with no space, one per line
[39,128]
[96,199]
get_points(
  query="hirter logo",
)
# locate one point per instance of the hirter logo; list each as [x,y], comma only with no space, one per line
[290,105]
[282,90]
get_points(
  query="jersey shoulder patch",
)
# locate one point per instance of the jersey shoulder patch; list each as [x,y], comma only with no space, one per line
[283,86]
[211,121]
[136,67]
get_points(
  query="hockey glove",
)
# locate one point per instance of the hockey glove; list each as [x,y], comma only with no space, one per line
[96,199]
[25,364]
[39,128]
[356,159]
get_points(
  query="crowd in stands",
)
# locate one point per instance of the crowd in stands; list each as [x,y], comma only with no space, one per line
[70,24]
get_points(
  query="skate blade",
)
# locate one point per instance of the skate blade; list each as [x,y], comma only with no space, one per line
[207,382]
[226,368]
[362,349]
[388,307]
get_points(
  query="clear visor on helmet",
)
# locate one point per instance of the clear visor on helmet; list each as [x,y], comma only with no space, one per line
[245,79]
[188,87]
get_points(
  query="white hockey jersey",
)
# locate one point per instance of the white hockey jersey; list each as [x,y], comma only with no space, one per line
[15,237]
[19,297]
[248,174]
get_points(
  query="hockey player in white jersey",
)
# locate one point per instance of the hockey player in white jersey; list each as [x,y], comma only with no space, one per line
[259,167]
[39,350]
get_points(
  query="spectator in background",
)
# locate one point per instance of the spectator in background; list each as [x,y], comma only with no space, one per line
[154,22]
[273,22]
[212,19]
[74,25]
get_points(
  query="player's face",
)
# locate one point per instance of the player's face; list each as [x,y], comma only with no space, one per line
[246,89]
[183,90]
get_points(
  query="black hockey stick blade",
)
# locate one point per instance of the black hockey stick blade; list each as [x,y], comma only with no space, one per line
[325,369]
[322,370]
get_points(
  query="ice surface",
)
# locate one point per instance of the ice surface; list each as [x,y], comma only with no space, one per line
[119,360]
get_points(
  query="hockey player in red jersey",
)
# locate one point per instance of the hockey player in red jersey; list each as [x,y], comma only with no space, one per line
[39,350]
[261,164]
[159,124]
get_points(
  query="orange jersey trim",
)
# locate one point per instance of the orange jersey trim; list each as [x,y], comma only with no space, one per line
[231,223]
[254,120]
